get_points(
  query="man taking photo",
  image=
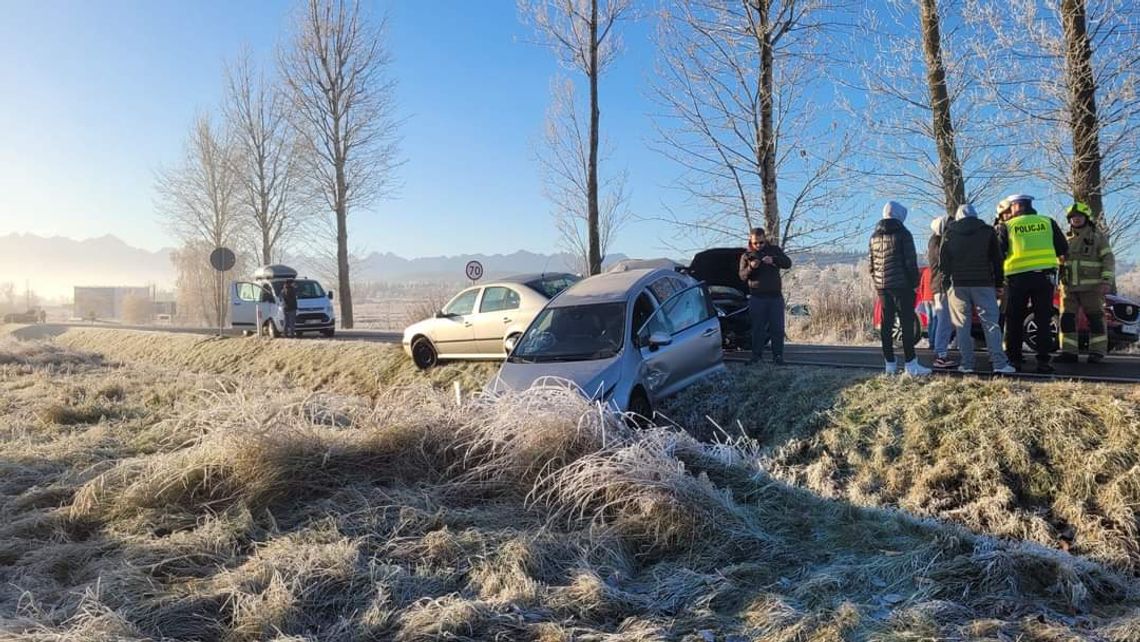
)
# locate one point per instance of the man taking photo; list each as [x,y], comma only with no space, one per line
[760,268]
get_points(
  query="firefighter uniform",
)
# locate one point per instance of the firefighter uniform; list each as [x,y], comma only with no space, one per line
[1089,265]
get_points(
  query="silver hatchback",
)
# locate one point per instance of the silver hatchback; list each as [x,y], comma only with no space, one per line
[628,339]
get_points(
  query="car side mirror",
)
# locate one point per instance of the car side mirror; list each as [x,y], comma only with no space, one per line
[441,315]
[330,295]
[510,343]
[658,339]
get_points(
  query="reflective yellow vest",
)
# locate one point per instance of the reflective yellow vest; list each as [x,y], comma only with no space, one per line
[1030,244]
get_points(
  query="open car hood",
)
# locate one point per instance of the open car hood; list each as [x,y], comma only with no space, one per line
[719,266]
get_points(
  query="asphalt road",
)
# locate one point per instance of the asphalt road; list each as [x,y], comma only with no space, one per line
[1116,369]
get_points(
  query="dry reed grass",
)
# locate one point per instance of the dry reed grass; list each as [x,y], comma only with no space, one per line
[246,510]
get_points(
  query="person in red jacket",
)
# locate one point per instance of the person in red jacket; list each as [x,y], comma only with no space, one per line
[760,268]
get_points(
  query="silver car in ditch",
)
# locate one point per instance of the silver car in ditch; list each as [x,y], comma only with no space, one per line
[627,338]
[478,322]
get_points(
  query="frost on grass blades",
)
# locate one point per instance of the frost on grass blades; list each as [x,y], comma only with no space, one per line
[209,507]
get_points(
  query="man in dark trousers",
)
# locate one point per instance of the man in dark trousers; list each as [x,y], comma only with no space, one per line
[1033,246]
[289,307]
[760,268]
[894,271]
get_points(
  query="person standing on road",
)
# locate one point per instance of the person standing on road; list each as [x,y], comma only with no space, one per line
[760,268]
[289,307]
[1086,277]
[1001,215]
[940,325]
[894,270]
[973,273]
[1033,246]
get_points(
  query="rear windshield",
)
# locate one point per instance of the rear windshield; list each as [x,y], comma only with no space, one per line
[551,286]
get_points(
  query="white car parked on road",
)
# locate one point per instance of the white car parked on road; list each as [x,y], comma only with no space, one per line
[482,321]
[315,311]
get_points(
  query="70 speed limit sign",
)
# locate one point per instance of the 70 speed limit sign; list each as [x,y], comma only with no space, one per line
[474,270]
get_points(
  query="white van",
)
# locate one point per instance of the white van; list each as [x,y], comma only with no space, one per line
[314,304]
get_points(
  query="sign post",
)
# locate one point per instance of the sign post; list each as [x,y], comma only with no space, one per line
[222,259]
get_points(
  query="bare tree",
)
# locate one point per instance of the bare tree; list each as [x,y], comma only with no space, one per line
[740,84]
[581,33]
[565,163]
[256,112]
[343,105]
[938,136]
[1067,72]
[200,197]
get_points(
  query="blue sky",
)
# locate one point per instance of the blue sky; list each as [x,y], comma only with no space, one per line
[100,94]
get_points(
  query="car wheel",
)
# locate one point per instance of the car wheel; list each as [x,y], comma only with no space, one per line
[423,353]
[640,411]
[1031,333]
[271,330]
[328,333]
[897,334]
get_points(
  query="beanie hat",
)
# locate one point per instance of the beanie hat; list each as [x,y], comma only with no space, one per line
[938,226]
[966,211]
[894,210]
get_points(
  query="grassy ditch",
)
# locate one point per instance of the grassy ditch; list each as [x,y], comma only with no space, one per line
[1056,463]
[238,508]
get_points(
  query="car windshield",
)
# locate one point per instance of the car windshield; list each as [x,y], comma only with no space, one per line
[551,286]
[573,333]
[305,289]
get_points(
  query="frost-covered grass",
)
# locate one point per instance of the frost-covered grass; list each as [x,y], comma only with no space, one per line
[206,507]
[1056,464]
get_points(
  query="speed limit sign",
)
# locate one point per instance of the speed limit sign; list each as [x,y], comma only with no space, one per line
[474,270]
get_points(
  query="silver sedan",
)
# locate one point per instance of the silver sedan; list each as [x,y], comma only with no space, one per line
[627,338]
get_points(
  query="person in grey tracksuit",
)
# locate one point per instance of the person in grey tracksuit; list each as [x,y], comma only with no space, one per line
[971,263]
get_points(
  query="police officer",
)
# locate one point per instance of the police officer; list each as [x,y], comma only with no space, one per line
[1033,246]
[1085,278]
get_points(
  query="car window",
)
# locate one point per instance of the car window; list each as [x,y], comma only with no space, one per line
[573,333]
[499,298]
[248,292]
[551,286]
[663,288]
[462,304]
[687,308]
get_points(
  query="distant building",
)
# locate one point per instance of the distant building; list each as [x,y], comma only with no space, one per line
[106,302]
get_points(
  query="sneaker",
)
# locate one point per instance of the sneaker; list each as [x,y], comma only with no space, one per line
[1005,370]
[1096,357]
[893,367]
[962,369]
[1067,357]
[945,362]
[916,369]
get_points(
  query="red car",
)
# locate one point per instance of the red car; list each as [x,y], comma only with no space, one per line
[1122,318]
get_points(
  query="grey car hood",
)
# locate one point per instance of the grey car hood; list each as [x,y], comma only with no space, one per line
[593,377]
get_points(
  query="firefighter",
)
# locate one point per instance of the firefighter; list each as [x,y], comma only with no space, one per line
[1086,277]
[1033,246]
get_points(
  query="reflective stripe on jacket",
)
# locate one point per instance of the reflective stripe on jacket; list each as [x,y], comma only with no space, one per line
[1090,261]
[1030,244]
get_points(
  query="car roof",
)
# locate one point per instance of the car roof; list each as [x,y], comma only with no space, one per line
[534,276]
[610,287]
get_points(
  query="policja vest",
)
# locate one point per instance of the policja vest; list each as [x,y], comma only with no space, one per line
[1030,244]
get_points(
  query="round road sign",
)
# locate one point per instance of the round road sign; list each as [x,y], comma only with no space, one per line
[474,270]
[223,259]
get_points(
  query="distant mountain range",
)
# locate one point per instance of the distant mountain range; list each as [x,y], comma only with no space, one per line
[52,266]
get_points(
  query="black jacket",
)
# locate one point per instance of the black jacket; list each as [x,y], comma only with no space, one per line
[289,299]
[933,247]
[764,280]
[1060,243]
[971,256]
[894,263]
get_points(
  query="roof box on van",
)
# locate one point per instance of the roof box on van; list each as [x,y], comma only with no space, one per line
[274,272]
